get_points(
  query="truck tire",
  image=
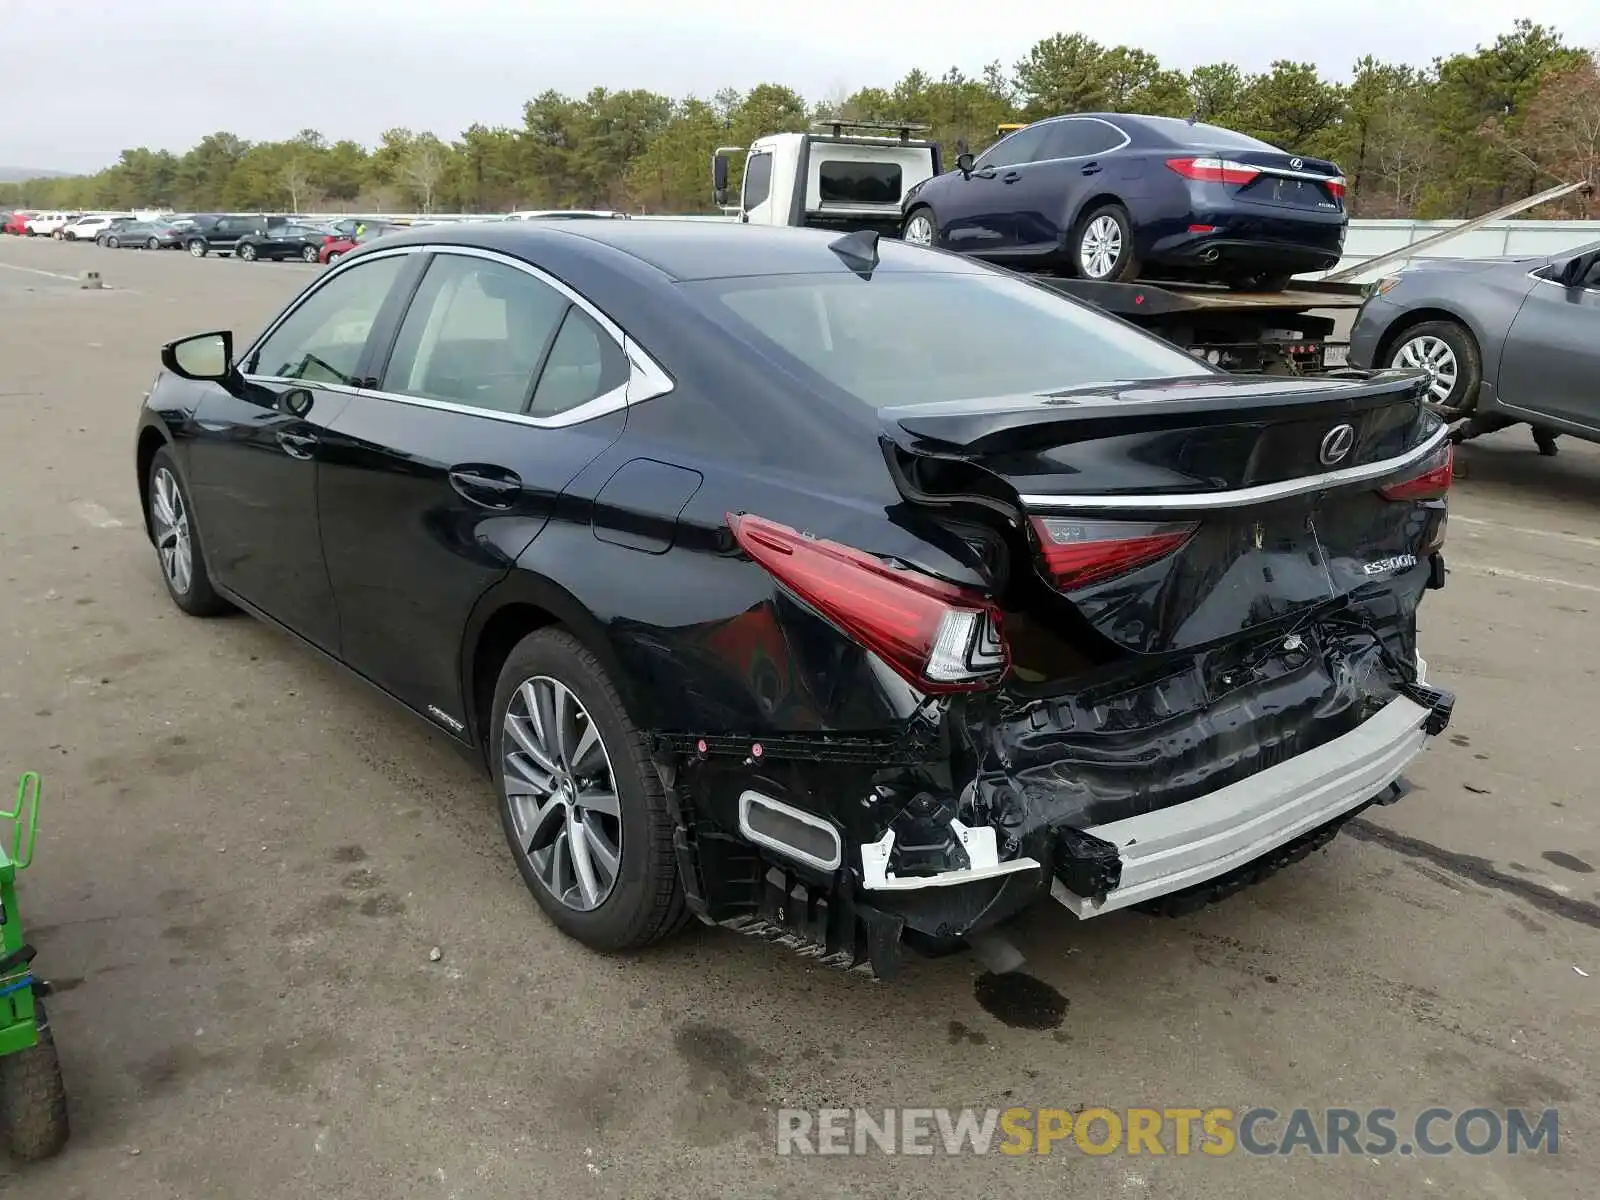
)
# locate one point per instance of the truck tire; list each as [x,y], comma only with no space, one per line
[33,1098]
[1102,246]
[1449,353]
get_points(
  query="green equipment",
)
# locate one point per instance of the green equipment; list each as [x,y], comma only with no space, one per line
[33,1100]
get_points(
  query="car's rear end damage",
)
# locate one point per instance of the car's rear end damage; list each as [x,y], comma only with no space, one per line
[1183,654]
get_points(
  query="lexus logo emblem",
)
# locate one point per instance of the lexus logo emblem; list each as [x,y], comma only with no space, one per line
[1336,444]
[1296,163]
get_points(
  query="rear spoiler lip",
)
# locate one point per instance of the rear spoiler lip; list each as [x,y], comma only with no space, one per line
[1239,497]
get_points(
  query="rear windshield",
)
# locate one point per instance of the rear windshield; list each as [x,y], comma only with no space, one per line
[859,182]
[1205,137]
[924,337]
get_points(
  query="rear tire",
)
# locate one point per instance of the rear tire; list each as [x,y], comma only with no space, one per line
[178,550]
[153,244]
[112,243]
[33,1098]
[1102,246]
[334,257]
[198,248]
[1449,353]
[645,902]
[309,254]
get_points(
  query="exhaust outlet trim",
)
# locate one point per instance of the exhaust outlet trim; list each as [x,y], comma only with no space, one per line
[779,827]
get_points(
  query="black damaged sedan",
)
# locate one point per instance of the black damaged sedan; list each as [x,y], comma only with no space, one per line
[816,586]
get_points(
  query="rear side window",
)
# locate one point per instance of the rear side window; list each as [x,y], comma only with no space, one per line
[757,179]
[859,183]
[475,335]
[584,363]
[926,337]
[1077,138]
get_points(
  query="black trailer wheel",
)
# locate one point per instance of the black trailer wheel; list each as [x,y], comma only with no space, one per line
[1102,246]
[33,1098]
[1262,281]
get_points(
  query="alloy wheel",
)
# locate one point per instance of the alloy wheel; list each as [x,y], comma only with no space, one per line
[309,254]
[1433,355]
[562,793]
[919,230]
[171,522]
[1101,247]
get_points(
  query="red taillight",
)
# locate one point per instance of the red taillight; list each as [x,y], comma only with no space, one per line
[1202,229]
[1078,553]
[1335,186]
[1431,484]
[937,636]
[1213,170]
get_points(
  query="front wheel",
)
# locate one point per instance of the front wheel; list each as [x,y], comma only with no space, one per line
[112,243]
[198,248]
[246,252]
[183,563]
[334,257]
[1102,248]
[1449,355]
[922,228]
[580,800]
[33,1099]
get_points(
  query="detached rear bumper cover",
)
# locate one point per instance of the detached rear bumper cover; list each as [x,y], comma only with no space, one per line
[1174,848]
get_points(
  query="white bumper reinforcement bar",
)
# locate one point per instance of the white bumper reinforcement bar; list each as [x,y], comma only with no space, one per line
[1174,848]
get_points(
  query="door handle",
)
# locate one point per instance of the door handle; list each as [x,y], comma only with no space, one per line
[297,445]
[1091,169]
[489,487]
[1011,177]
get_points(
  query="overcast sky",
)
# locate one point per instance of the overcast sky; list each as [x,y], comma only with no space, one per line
[162,73]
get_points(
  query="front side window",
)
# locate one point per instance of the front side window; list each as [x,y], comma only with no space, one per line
[475,334]
[321,341]
[1023,146]
[757,180]
[909,338]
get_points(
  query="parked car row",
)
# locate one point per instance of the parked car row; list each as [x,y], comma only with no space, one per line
[251,237]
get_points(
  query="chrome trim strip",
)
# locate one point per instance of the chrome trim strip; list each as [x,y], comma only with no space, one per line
[1285,173]
[1037,162]
[1239,497]
[647,379]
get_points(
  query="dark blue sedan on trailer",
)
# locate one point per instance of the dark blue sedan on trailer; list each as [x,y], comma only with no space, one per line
[1111,196]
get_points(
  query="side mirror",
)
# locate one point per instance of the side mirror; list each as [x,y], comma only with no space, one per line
[205,357]
[964,163]
[720,197]
[719,175]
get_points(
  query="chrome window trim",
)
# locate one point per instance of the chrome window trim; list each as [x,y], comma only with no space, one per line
[1126,141]
[1538,278]
[1240,497]
[647,379]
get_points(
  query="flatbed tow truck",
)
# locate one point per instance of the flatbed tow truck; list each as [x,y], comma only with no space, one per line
[852,175]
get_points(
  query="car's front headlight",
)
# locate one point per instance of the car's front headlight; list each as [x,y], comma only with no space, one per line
[1382,286]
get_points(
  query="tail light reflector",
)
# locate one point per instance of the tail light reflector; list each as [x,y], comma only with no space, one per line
[1078,553]
[1431,483]
[1213,170]
[937,636]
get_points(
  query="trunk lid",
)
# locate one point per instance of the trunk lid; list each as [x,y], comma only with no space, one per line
[1170,514]
[1288,180]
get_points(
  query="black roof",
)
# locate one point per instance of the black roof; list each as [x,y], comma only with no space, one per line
[684,250]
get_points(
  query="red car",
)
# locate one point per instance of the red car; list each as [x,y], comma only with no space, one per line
[17,222]
[338,245]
